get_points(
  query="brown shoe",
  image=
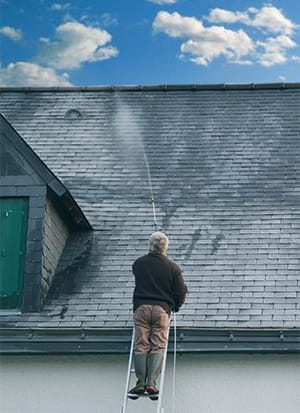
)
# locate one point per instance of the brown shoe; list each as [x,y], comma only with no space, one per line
[134,393]
[137,390]
[152,390]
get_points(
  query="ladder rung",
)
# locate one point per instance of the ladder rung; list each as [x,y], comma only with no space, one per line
[145,395]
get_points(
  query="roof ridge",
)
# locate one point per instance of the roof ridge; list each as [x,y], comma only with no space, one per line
[113,88]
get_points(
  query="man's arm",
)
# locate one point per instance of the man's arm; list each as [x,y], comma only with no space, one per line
[179,290]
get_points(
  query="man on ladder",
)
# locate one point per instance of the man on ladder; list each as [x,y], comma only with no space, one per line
[159,289]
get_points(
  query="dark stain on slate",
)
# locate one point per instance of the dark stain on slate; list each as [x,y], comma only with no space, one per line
[216,243]
[195,237]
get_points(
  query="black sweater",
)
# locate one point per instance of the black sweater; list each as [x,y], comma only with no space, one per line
[158,280]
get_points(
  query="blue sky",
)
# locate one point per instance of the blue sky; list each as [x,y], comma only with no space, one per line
[148,42]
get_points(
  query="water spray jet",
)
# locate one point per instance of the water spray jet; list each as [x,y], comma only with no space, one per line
[151,190]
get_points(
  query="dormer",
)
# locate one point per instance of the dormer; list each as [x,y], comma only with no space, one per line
[37,215]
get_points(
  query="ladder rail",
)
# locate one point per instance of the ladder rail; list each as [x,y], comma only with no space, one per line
[124,406]
[163,371]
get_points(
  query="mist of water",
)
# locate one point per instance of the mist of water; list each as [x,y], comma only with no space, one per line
[131,137]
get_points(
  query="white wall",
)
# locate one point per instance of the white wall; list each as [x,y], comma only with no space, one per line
[205,383]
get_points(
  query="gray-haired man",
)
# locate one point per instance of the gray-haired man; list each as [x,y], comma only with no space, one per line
[159,289]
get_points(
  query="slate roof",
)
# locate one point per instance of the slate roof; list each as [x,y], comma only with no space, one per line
[224,164]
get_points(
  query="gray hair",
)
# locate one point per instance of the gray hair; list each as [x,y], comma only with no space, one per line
[158,242]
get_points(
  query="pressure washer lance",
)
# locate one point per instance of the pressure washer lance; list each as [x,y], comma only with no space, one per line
[154,213]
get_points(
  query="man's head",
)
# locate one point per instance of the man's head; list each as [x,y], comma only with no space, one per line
[158,243]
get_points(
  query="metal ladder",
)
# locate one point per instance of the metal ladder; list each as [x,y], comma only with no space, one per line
[131,372]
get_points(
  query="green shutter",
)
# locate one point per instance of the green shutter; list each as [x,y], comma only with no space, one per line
[13,228]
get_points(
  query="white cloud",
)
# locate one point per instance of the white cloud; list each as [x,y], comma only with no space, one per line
[226,16]
[273,20]
[59,6]
[296,59]
[217,41]
[30,74]
[14,34]
[205,44]
[163,2]
[108,20]
[275,50]
[75,44]
[175,25]
[268,17]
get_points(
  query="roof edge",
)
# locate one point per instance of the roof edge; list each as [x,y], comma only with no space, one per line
[162,87]
[117,341]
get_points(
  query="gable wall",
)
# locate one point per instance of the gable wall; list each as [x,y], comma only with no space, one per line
[55,235]
[206,383]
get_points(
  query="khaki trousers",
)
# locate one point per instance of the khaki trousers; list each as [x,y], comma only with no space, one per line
[151,329]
